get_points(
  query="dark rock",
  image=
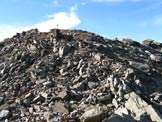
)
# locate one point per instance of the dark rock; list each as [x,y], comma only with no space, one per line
[1,100]
[145,118]
[118,118]
[38,98]
[105,98]
[81,86]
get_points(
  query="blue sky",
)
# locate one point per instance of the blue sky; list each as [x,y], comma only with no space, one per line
[135,19]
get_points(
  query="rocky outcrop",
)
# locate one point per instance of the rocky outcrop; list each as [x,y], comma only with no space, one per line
[74,75]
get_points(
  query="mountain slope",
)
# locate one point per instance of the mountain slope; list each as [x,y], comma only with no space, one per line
[74,75]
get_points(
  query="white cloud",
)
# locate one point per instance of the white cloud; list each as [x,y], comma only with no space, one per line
[64,20]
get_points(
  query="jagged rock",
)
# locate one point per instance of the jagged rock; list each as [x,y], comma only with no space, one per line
[95,114]
[48,84]
[92,84]
[145,118]
[140,66]
[118,118]
[81,86]
[138,106]
[148,42]
[98,57]
[65,95]
[1,100]
[105,98]
[50,117]
[63,50]
[115,103]
[29,95]
[38,98]
[156,57]
[4,114]
[60,107]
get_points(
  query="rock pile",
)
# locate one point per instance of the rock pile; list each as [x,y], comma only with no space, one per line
[78,76]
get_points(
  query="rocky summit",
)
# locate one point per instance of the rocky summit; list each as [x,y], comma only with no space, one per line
[78,76]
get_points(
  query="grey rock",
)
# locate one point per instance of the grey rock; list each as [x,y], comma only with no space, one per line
[81,86]
[4,114]
[148,42]
[38,98]
[145,118]
[50,117]
[48,84]
[61,108]
[98,57]
[156,57]
[115,82]
[1,100]
[105,98]
[118,118]
[143,67]
[29,95]
[138,106]
[115,103]
[65,95]
[95,114]
[92,84]
[64,50]
[27,102]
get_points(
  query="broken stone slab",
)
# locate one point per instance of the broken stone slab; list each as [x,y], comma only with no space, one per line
[148,42]
[29,95]
[105,98]
[60,108]
[65,95]
[115,103]
[63,51]
[118,118]
[1,100]
[38,98]
[80,86]
[145,118]
[63,73]
[48,84]
[140,66]
[98,57]
[125,114]
[50,117]
[156,57]
[92,84]
[4,114]
[95,114]
[40,81]
[45,95]
[138,106]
